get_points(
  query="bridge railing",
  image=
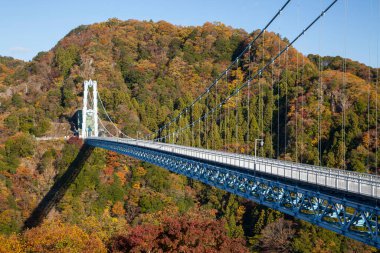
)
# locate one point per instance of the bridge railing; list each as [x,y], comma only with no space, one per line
[359,183]
[352,174]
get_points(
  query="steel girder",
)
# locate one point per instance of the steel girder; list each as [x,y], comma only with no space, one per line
[350,218]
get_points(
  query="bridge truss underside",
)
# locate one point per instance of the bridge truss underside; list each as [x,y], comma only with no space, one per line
[351,216]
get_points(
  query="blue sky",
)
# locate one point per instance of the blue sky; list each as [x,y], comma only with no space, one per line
[28,27]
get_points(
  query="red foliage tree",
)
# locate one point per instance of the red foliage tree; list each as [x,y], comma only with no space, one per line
[184,234]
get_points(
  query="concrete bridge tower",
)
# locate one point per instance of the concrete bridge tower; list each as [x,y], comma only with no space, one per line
[90,114]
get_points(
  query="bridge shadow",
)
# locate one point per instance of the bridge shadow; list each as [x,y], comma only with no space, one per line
[58,190]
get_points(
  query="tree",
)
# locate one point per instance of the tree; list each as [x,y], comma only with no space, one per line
[11,243]
[59,237]
[277,236]
[65,58]
[12,123]
[118,209]
[21,145]
[150,203]
[17,100]
[183,234]
[43,125]
[46,160]
[148,72]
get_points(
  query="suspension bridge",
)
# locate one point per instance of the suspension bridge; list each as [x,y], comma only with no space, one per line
[342,201]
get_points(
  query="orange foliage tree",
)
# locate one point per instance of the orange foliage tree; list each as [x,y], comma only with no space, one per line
[59,237]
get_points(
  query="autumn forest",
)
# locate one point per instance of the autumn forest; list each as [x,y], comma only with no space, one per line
[147,72]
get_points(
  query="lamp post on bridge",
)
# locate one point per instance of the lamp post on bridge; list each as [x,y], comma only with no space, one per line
[261,145]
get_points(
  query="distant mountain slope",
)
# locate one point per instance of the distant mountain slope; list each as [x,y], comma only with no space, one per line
[148,70]
[8,66]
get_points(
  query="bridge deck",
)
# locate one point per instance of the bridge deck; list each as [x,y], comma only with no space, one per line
[349,181]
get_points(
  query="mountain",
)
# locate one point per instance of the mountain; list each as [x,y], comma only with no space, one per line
[147,72]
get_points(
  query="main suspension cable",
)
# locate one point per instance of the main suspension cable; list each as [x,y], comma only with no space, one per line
[376,95]
[320,97]
[248,100]
[302,109]
[278,98]
[261,95]
[258,73]
[99,120]
[229,67]
[369,94]
[236,110]
[109,118]
[286,102]
[344,98]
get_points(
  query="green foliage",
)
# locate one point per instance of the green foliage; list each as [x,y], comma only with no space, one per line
[8,163]
[150,203]
[20,146]
[65,58]
[67,96]
[143,52]
[12,123]
[174,48]
[157,179]
[190,55]
[260,223]
[43,125]
[148,72]
[17,100]
[10,222]
[16,147]
[185,204]
[311,237]
[27,121]
[68,154]
[46,160]
[113,192]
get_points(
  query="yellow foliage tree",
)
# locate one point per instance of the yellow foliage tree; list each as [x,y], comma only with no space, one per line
[60,237]
[136,185]
[140,171]
[240,212]
[11,244]
[366,140]
[118,209]
[121,176]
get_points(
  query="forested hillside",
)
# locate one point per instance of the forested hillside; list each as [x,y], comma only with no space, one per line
[148,72]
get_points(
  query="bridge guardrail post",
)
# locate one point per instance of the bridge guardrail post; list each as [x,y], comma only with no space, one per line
[300,170]
[291,171]
[372,190]
[316,177]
